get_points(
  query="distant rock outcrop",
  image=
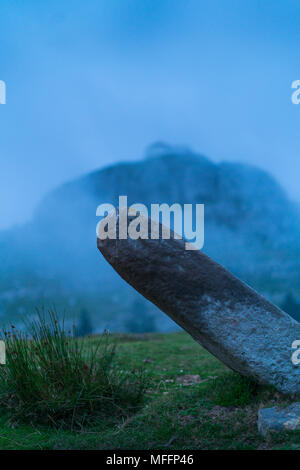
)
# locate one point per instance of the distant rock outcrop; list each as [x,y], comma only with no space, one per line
[250,227]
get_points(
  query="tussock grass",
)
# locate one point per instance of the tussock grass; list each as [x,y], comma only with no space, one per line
[54,378]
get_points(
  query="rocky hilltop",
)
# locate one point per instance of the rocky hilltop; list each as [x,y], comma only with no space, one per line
[251,227]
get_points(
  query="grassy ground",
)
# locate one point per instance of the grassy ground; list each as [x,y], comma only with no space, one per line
[193,402]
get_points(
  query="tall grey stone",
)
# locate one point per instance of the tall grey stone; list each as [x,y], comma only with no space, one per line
[228,318]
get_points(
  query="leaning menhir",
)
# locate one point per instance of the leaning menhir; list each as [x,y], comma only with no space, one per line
[228,318]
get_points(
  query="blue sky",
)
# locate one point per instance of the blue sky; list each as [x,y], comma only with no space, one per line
[92,83]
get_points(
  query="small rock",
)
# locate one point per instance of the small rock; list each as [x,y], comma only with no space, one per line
[190,379]
[279,419]
[148,360]
[187,419]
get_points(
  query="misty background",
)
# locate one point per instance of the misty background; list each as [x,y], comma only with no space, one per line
[91,84]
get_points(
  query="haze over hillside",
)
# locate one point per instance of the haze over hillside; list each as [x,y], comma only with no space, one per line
[251,227]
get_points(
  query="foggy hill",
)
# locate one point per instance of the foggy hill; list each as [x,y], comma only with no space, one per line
[251,227]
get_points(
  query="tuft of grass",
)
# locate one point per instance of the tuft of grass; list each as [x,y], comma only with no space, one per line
[53,378]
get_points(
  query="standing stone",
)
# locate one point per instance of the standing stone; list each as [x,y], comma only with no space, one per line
[232,321]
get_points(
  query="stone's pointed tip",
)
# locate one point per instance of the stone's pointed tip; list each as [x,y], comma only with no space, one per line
[150,229]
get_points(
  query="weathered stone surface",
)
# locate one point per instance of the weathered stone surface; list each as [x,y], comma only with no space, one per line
[279,419]
[228,318]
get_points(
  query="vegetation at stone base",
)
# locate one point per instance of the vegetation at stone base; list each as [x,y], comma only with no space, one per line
[192,402]
[54,378]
